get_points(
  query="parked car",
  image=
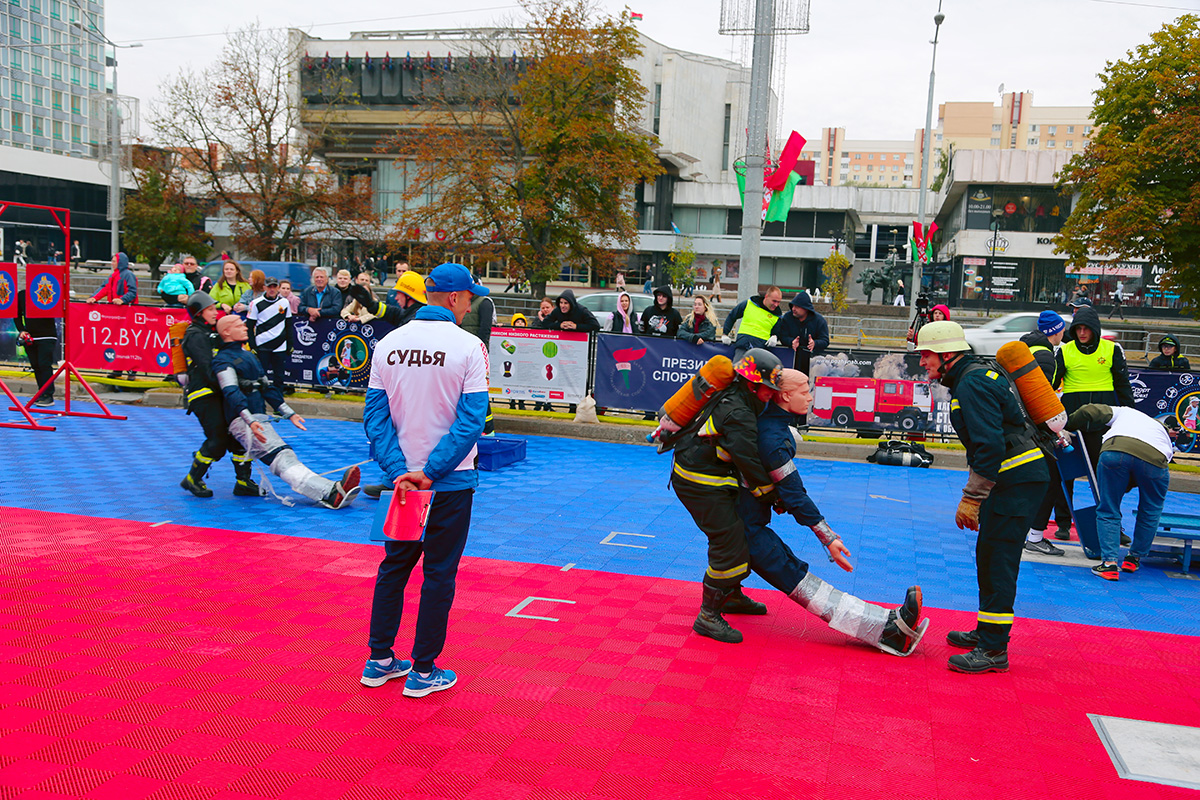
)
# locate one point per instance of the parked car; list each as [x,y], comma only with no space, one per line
[986,339]
[299,274]
[603,304]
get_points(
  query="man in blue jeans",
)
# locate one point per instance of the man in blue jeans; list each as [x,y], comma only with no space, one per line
[1135,452]
[425,408]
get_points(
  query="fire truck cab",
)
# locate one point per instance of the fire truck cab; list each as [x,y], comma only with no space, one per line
[866,402]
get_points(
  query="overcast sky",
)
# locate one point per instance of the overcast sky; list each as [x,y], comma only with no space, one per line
[863,66]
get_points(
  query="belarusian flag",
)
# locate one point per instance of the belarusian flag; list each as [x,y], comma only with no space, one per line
[633,15]
[781,201]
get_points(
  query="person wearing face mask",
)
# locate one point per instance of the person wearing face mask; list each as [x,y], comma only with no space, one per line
[701,325]
[625,319]
[894,631]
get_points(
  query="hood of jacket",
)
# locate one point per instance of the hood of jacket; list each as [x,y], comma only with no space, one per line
[665,291]
[1086,316]
[1168,339]
[569,296]
[940,307]
[632,312]
[802,300]
[122,262]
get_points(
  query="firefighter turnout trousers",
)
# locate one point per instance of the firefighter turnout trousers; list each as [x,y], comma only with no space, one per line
[1004,519]
[714,509]
[210,412]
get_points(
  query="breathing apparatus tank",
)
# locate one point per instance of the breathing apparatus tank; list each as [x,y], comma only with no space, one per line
[683,406]
[1041,403]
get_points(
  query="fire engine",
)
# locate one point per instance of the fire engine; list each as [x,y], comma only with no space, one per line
[866,402]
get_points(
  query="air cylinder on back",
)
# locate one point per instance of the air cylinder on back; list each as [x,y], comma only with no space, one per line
[1039,398]
[683,406]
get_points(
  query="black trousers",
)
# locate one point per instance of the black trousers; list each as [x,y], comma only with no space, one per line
[714,509]
[274,364]
[1054,501]
[41,359]
[210,413]
[1003,522]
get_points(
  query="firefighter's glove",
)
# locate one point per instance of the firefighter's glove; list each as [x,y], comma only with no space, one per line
[362,295]
[967,515]
[770,498]
[726,340]
[779,506]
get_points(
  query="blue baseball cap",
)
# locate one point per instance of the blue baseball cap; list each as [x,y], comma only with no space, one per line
[453,278]
[1050,322]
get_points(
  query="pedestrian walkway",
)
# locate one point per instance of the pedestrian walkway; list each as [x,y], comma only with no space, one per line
[153,645]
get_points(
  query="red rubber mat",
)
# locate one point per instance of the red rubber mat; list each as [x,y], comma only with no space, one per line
[177,663]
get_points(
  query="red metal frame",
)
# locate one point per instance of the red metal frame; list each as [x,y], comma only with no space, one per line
[62,216]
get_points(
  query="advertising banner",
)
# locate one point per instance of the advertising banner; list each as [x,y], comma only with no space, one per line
[1170,394]
[334,353]
[122,338]
[8,290]
[529,364]
[979,207]
[44,294]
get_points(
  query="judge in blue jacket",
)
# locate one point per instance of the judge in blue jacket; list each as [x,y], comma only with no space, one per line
[893,631]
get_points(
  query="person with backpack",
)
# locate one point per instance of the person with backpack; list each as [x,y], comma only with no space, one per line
[1007,480]
[713,455]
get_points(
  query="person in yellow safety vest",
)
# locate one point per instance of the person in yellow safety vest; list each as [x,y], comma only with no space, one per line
[1091,369]
[758,315]
[1006,481]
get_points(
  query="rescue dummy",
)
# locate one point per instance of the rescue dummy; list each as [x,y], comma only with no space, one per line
[247,390]
[720,444]
[894,631]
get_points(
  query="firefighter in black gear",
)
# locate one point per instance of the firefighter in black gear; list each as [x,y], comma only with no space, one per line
[1007,480]
[720,444]
[203,398]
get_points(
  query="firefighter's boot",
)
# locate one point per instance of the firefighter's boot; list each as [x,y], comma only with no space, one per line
[739,603]
[709,621]
[245,485]
[194,480]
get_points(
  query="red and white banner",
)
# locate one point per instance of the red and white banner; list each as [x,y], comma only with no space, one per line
[122,337]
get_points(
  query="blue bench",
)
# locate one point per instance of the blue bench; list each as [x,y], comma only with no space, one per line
[1185,527]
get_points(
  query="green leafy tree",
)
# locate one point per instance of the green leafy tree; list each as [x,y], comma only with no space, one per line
[535,162]
[836,269]
[680,260]
[160,219]
[1138,179]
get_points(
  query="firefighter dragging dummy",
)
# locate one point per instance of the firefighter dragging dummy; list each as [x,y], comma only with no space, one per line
[893,631]
[710,452]
[247,390]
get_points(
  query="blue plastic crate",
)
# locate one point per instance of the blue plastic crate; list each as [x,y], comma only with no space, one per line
[496,452]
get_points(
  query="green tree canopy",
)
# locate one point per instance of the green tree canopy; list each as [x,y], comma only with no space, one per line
[1139,177]
[160,219]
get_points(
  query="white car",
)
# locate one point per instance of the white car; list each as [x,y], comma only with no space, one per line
[986,339]
[603,304]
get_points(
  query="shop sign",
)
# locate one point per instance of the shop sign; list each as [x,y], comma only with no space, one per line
[979,207]
[1117,269]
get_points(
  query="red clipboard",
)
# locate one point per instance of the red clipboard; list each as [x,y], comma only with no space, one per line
[402,522]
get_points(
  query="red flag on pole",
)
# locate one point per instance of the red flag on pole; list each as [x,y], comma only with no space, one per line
[787,162]
[44,295]
[8,290]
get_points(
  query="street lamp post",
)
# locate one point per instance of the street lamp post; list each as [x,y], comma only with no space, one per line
[915,289]
[987,284]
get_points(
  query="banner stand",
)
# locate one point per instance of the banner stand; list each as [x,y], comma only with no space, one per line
[32,425]
[62,216]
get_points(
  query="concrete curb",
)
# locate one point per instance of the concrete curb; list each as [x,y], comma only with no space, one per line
[542,426]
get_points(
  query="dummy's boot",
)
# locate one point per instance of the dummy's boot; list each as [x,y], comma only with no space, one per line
[245,486]
[194,480]
[739,603]
[343,491]
[709,621]
[860,620]
[904,630]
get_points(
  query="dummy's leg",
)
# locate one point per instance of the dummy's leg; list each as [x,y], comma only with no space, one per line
[282,460]
[892,631]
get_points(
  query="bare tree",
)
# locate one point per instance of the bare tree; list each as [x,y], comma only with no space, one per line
[238,125]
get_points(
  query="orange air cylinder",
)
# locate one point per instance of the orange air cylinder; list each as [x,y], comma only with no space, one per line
[175,336]
[1036,393]
[683,406]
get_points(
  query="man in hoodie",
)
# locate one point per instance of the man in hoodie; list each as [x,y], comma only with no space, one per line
[803,330]
[661,319]
[758,316]
[570,316]
[121,286]
[1042,342]
[893,631]
[1169,357]
[1091,369]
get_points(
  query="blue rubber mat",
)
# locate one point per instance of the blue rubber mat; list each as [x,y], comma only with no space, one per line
[594,505]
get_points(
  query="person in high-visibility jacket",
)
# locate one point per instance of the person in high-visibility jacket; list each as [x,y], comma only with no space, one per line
[1091,369]
[1007,480]
[758,315]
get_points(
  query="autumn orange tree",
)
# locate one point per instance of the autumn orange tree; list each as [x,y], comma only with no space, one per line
[533,149]
[160,218]
[1139,177]
[243,144]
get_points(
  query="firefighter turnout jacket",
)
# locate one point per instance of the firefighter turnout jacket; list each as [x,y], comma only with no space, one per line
[199,344]
[724,444]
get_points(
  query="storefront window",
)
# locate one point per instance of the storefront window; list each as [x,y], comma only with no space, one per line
[1021,208]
